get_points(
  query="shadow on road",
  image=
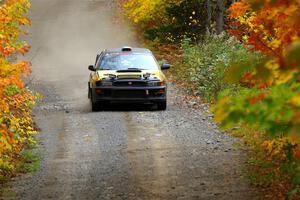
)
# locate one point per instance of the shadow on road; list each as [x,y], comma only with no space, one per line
[128,107]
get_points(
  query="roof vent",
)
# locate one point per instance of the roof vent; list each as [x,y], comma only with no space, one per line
[126,49]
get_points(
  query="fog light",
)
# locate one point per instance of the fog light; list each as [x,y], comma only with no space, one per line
[161,91]
[162,83]
[99,91]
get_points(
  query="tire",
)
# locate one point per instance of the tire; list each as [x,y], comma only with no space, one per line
[95,106]
[98,106]
[162,105]
[89,93]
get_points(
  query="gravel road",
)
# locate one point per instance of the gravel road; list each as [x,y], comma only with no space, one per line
[126,152]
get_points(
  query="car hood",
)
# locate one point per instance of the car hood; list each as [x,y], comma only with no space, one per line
[131,75]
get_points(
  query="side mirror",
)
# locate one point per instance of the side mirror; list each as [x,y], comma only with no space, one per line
[92,68]
[165,66]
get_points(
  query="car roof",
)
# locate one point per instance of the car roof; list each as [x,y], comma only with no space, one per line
[127,49]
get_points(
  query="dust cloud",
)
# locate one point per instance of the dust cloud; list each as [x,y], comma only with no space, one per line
[66,35]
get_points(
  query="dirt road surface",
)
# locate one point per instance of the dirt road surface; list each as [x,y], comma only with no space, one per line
[121,153]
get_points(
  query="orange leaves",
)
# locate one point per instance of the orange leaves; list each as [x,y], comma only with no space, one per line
[238,9]
[273,28]
[270,99]
[15,101]
[269,25]
[11,18]
[297,154]
[256,99]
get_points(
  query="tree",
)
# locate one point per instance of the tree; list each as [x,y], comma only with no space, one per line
[220,16]
[208,19]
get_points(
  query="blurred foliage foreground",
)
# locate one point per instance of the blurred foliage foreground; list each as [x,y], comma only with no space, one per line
[270,102]
[251,74]
[16,101]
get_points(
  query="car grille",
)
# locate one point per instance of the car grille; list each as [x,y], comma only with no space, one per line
[129,94]
[129,76]
[130,83]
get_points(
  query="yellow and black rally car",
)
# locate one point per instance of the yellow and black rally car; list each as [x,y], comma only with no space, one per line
[127,75]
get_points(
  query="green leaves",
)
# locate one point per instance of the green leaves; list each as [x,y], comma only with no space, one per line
[217,64]
[12,90]
[269,110]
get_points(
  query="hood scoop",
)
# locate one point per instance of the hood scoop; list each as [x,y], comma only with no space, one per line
[129,70]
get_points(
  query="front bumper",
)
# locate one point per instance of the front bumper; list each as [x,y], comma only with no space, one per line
[129,94]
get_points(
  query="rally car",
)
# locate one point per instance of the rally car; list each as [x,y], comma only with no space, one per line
[127,75]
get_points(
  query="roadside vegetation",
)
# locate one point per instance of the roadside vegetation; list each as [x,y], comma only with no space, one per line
[16,100]
[243,57]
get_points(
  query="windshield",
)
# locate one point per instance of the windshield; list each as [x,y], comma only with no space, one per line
[124,61]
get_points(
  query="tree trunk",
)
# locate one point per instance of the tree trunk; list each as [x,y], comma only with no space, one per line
[208,19]
[220,16]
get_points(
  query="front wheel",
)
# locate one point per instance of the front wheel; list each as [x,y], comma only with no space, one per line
[162,105]
[95,106]
[89,92]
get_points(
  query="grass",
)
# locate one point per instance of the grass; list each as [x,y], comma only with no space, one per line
[28,162]
[7,193]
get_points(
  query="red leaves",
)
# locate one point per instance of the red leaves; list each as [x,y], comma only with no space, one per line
[255,99]
[297,154]
[238,9]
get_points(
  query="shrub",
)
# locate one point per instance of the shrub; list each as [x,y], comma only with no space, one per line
[16,101]
[206,63]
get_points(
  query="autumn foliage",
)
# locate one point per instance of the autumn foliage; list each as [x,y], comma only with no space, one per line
[270,99]
[273,28]
[169,21]
[16,125]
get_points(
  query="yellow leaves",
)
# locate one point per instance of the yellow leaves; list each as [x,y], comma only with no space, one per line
[245,38]
[275,147]
[16,125]
[141,10]
[11,15]
[146,10]
[274,30]
[296,100]
[220,114]
[274,44]
[285,76]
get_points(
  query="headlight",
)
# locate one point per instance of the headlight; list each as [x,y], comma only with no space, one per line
[104,83]
[107,83]
[156,83]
